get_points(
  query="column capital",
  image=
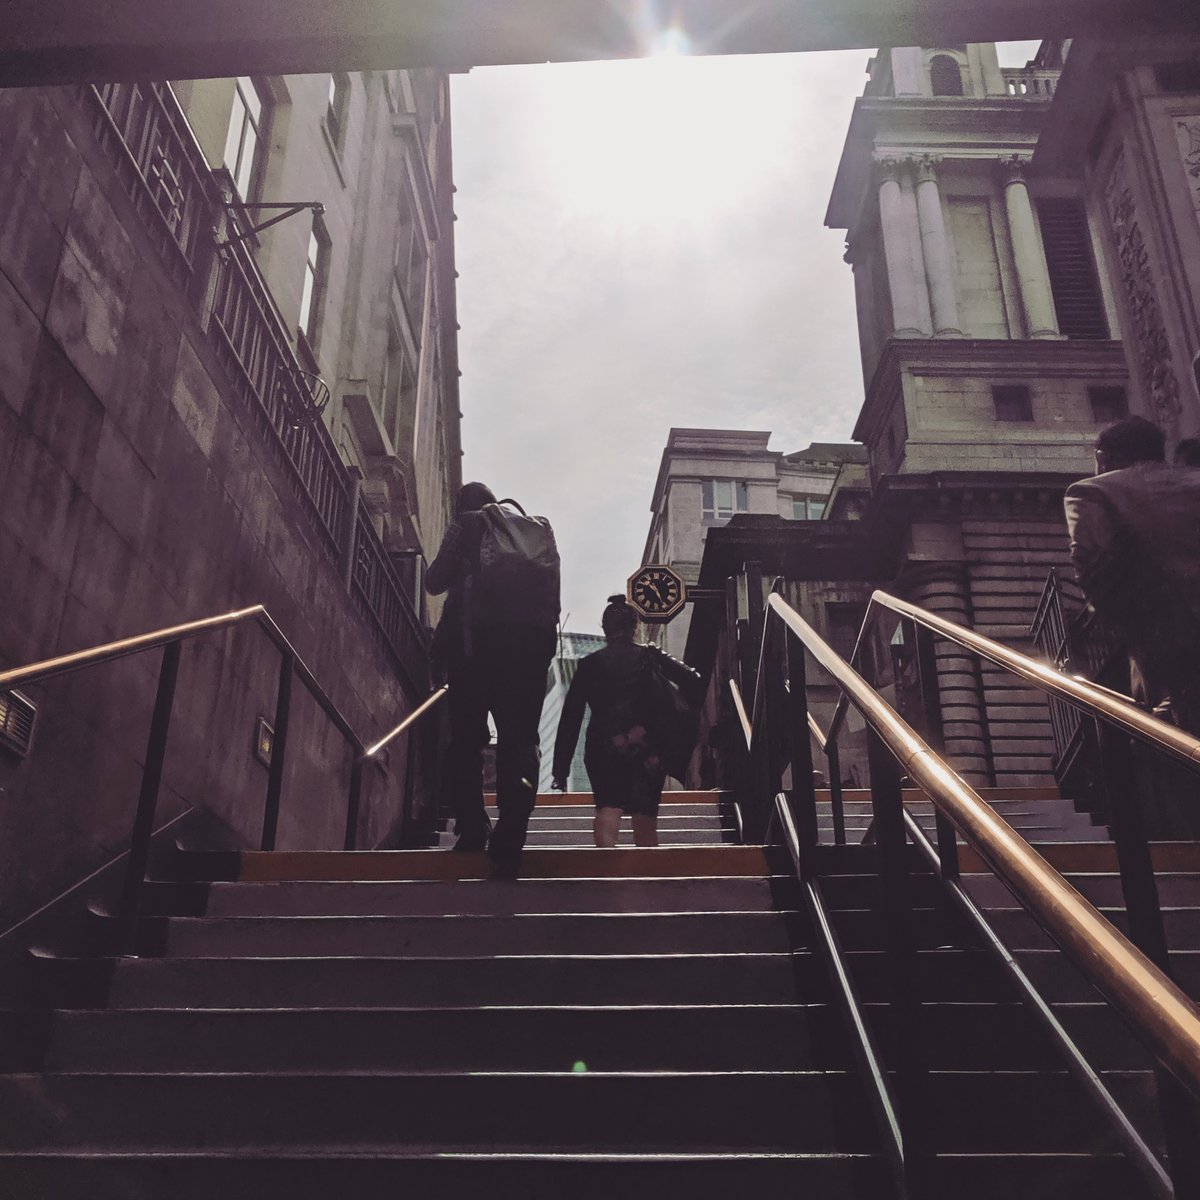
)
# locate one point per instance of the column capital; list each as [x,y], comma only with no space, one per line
[1013,168]
[890,166]
[927,167]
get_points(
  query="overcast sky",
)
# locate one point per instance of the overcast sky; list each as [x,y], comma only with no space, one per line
[640,245]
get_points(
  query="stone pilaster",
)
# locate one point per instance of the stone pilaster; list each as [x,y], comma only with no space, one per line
[901,248]
[935,250]
[1033,276]
[943,589]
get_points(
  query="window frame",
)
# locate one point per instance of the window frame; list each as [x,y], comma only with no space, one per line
[1019,394]
[259,123]
[712,510]
[314,286]
[337,107]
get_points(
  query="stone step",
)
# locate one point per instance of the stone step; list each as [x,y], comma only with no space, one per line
[577,817]
[486,1038]
[1175,889]
[368,1111]
[470,897]
[552,799]
[724,861]
[523,1171]
[988,1112]
[962,1036]
[540,837]
[362,982]
[458,937]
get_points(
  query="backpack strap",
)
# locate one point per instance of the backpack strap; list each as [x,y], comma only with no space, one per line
[510,501]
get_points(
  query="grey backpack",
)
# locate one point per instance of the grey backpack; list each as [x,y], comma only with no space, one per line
[518,578]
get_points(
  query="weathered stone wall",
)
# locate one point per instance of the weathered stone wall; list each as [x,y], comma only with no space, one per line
[136,492]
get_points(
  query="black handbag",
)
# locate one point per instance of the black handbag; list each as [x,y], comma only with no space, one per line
[676,718]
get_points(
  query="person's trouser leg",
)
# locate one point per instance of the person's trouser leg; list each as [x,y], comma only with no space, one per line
[517,685]
[464,754]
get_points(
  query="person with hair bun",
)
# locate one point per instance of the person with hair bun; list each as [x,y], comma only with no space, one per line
[624,747]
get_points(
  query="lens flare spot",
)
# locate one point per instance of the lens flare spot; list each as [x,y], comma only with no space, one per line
[580,1068]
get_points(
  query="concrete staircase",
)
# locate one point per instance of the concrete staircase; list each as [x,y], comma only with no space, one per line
[633,1022]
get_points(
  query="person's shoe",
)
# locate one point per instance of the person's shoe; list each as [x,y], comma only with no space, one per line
[473,841]
[507,866]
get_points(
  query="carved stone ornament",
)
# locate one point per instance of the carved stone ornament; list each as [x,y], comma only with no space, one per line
[890,166]
[1137,279]
[1187,133]
[927,167]
[1013,168]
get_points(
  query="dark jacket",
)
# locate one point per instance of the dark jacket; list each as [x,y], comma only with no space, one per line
[615,683]
[450,572]
[1135,543]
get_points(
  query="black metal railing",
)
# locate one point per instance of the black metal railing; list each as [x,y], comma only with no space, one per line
[181,200]
[291,668]
[1132,973]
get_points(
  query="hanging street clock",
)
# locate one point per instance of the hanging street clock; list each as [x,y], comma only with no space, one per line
[656,592]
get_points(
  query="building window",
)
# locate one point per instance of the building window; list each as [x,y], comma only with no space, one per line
[335,110]
[1012,402]
[410,260]
[722,498]
[945,76]
[312,294]
[1108,404]
[808,508]
[1068,245]
[245,143]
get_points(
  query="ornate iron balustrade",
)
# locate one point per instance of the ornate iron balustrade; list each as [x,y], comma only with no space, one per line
[162,167]
[1075,642]
[251,340]
[378,592]
[179,197]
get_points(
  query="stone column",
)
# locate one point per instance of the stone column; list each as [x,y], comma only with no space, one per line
[943,589]
[935,249]
[897,249]
[1033,276]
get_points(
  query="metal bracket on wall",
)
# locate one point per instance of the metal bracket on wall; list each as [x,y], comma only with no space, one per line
[291,208]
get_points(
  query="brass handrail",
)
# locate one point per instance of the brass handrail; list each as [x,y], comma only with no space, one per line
[1143,994]
[411,719]
[739,707]
[121,648]
[1098,700]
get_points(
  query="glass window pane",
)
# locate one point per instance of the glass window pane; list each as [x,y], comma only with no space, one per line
[724,490]
[816,510]
[233,140]
[245,169]
[306,299]
[706,490]
[251,98]
[743,495]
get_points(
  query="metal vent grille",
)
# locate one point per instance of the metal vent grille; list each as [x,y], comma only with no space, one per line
[1072,274]
[17,714]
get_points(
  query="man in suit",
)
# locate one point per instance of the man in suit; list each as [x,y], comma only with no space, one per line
[1135,543]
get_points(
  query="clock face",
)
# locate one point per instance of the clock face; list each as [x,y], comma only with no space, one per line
[656,592]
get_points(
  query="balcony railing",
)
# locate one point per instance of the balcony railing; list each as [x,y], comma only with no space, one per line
[1030,83]
[179,199]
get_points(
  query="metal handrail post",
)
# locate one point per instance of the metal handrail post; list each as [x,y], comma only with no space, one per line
[933,731]
[804,792]
[143,820]
[833,759]
[907,1051]
[283,708]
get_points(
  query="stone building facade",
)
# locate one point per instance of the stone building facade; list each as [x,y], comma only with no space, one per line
[708,477]
[162,460]
[1024,245]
